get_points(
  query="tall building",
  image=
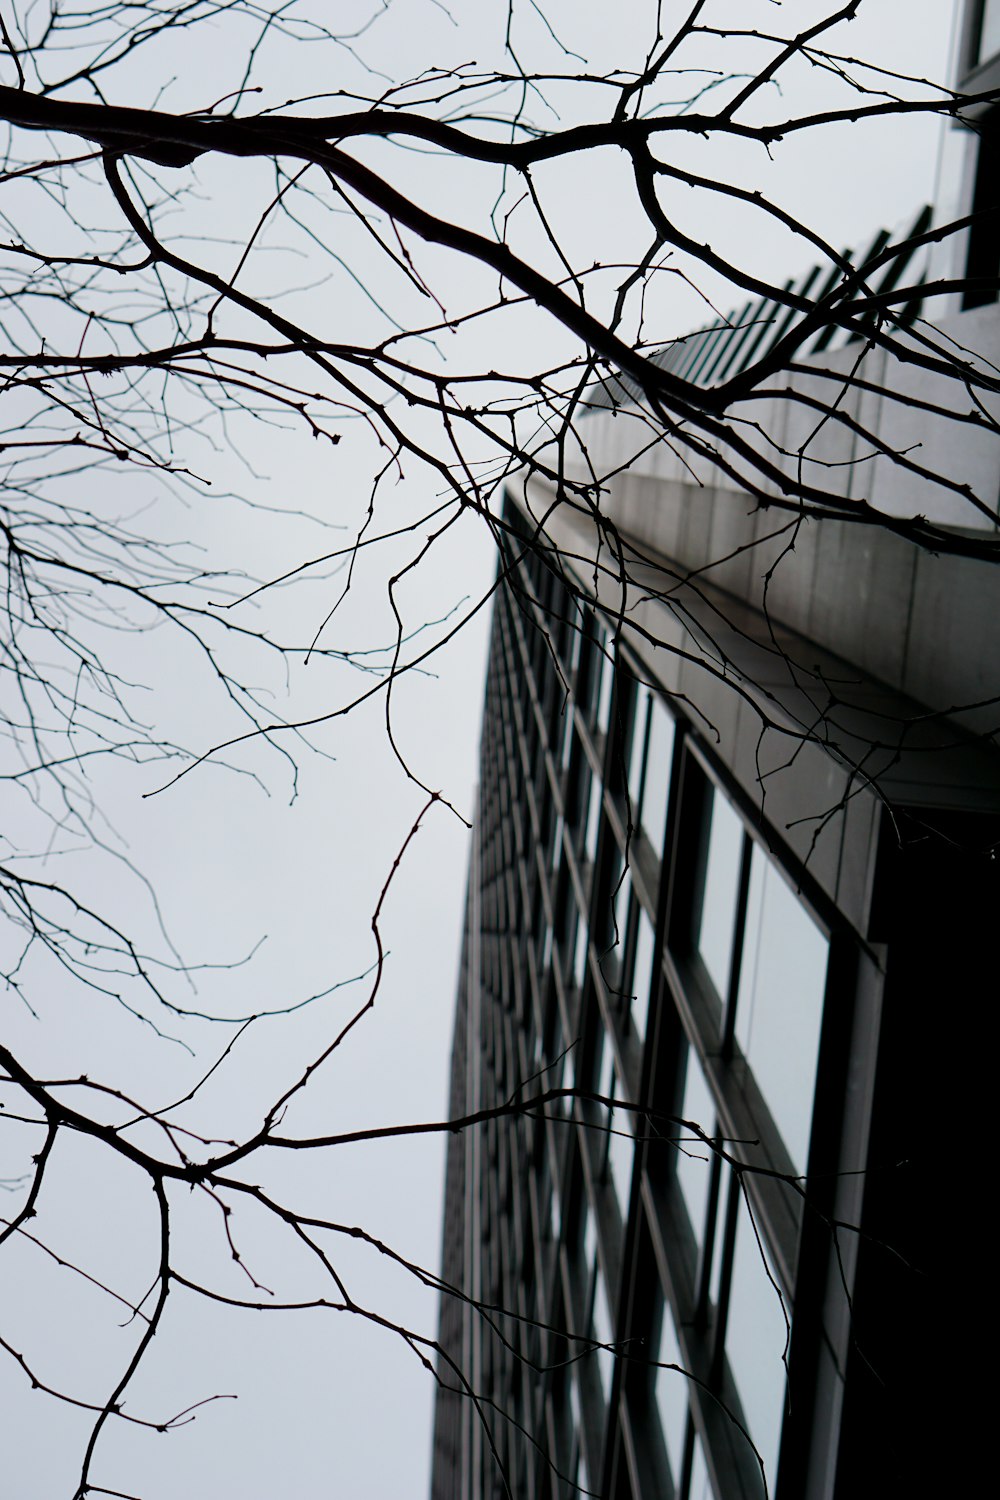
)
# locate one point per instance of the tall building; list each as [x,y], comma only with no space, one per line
[733,883]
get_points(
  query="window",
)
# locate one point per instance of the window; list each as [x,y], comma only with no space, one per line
[597,676]
[642,977]
[546,958]
[656,787]
[670,1392]
[989,31]
[554,1217]
[722,875]
[750,1332]
[779,1009]
[739,994]
[560,1080]
[597,1310]
[700,1487]
[984,233]
[756,1340]
[605,684]
[580,952]
[650,761]
[603,1332]
[566,742]
[593,818]
[767,960]
[694,1158]
[621,1146]
[760,1025]
[621,1153]
[557,843]
[620,906]
[572,658]
[637,755]
[578,1468]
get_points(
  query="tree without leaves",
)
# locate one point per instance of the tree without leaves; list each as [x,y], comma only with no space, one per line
[143,334]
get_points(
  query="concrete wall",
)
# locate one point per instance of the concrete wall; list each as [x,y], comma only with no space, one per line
[926,625]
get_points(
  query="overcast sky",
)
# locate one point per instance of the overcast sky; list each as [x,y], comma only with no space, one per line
[328,1404]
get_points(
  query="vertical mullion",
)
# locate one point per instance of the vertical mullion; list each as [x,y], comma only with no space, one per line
[736,959]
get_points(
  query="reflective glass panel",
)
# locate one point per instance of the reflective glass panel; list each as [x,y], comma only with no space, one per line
[756,1334]
[557,844]
[619,1143]
[722,874]
[721,1215]
[670,1390]
[580,951]
[619,911]
[567,735]
[573,659]
[701,1486]
[574,1406]
[606,683]
[638,747]
[642,978]
[604,1334]
[593,818]
[780,1005]
[694,1158]
[589,1242]
[561,1081]
[621,1150]
[989,37]
[659,759]
[606,1070]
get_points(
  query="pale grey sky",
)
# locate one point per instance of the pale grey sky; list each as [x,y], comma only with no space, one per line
[328,1404]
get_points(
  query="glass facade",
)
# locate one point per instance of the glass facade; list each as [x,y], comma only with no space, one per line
[655,1258]
[580,754]
[989,31]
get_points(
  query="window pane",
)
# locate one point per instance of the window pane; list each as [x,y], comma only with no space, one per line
[722,874]
[780,1005]
[638,747]
[573,660]
[554,1220]
[642,978]
[756,1333]
[658,762]
[593,818]
[567,735]
[604,1334]
[561,1080]
[589,1244]
[606,1068]
[989,39]
[607,670]
[618,1144]
[671,1393]
[718,1241]
[577,1415]
[580,951]
[621,1150]
[694,1158]
[701,1485]
[557,844]
[619,912]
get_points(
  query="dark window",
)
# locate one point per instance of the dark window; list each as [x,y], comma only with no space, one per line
[988,31]
[983,264]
